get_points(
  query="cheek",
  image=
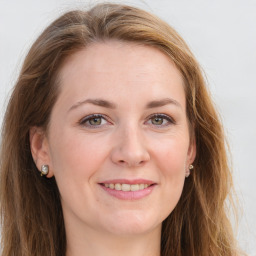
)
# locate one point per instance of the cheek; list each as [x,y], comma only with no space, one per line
[75,155]
[171,162]
[172,156]
[75,160]
[173,171]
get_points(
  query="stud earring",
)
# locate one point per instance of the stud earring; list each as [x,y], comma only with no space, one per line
[44,170]
[191,167]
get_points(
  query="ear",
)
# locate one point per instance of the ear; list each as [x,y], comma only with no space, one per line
[191,152]
[39,147]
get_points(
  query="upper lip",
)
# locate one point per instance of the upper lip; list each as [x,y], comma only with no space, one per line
[128,181]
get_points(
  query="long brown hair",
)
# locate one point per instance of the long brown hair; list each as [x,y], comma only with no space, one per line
[32,220]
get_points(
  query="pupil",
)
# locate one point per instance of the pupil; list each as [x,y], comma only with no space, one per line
[158,120]
[95,121]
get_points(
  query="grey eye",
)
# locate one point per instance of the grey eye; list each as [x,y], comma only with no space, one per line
[95,121]
[160,120]
[157,120]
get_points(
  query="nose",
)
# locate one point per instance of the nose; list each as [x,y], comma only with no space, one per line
[130,149]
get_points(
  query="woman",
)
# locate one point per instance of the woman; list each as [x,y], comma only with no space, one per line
[111,144]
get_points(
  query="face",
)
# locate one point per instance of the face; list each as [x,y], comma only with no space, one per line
[118,141]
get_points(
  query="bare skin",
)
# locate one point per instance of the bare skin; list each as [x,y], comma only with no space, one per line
[120,118]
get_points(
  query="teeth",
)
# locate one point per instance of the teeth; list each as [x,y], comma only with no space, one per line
[126,187]
[142,186]
[118,186]
[135,187]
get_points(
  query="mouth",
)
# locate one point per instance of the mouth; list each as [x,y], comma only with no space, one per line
[128,189]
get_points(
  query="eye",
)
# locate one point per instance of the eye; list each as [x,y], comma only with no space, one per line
[93,121]
[160,120]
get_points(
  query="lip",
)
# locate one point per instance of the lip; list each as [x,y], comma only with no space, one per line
[129,195]
[126,181]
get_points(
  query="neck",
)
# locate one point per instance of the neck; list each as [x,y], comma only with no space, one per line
[91,242]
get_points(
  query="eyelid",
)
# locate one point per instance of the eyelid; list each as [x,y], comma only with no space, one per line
[91,116]
[83,120]
[164,116]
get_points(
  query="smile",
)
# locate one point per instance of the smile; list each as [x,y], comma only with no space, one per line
[126,187]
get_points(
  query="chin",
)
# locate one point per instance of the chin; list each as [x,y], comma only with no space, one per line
[133,224]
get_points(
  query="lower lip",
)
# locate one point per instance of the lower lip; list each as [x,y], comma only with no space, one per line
[129,195]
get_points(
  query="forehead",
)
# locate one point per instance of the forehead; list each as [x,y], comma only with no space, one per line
[119,68]
[127,56]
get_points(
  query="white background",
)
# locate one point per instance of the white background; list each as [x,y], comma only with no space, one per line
[222,35]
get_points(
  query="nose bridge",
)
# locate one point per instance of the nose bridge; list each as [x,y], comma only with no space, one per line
[130,149]
[132,138]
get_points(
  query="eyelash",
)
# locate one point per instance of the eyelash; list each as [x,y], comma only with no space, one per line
[85,120]
[169,120]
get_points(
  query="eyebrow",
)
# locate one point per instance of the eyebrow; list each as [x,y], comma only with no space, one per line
[97,102]
[111,105]
[162,102]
